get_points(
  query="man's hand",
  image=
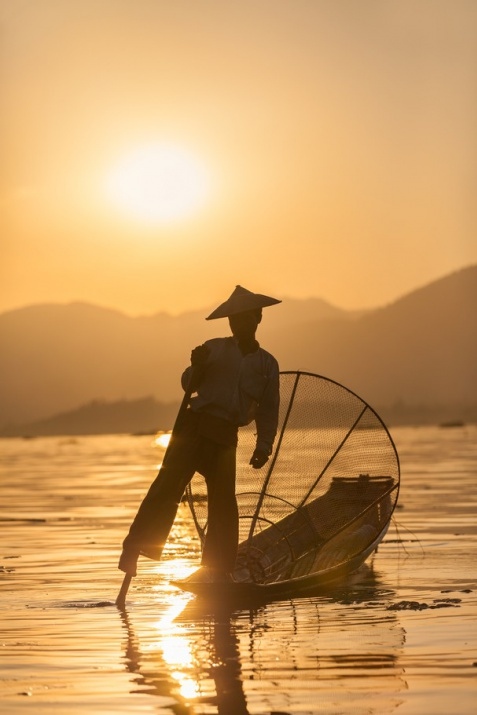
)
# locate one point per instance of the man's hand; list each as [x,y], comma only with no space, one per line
[259,458]
[199,355]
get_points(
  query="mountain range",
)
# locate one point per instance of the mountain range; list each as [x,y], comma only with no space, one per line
[415,355]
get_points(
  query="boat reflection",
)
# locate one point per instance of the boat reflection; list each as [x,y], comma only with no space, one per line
[342,648]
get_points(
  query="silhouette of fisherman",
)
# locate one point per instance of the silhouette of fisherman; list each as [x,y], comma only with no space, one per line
[234,381]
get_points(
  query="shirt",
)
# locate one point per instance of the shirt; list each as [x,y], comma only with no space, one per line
[239,388]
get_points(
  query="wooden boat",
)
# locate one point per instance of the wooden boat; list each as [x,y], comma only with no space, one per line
[324,503]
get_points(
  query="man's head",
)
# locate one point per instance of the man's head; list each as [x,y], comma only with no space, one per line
[244,325]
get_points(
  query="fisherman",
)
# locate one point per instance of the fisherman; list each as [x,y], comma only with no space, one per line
[235,382]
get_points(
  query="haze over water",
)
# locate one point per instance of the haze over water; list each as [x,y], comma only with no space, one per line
[398,638]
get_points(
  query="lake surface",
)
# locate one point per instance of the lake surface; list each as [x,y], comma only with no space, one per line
[400,637]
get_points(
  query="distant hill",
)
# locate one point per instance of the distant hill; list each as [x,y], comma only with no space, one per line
[148,416]
[420,350]
[417,353]
[142,416]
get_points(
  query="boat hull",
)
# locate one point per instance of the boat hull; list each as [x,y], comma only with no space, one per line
[294,587]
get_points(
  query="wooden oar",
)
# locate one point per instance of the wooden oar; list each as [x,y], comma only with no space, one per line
[195,377]
[123,591]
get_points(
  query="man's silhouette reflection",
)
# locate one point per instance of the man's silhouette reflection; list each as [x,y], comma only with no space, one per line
[225,670]
[227,674]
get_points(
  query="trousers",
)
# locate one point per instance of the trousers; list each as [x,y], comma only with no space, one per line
[189,451]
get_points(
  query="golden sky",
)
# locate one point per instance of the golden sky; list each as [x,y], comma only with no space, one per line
[156,153]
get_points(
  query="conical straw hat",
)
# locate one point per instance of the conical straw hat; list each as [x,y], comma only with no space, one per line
[240,301]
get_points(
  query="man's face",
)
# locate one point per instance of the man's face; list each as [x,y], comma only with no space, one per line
[244,325]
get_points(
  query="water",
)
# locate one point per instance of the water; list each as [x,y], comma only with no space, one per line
[399,637]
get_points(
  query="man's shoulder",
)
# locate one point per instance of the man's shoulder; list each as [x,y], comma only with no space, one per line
[219,346]
[268,356]
[215,342]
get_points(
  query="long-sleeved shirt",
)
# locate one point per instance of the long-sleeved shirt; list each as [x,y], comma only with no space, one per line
[239,388]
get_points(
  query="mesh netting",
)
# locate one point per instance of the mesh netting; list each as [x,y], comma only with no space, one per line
[327,493]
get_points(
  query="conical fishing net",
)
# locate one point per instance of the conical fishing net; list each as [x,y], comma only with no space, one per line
[326,496]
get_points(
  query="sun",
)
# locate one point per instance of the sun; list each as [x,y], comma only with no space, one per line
[158,183]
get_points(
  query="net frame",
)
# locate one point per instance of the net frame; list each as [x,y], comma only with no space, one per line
[327,494]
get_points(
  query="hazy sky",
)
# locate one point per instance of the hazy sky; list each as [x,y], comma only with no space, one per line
[316,148]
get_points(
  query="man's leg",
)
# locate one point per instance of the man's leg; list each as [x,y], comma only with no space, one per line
[221,541]
[155,517]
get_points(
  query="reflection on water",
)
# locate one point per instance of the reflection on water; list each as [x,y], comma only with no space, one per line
[284,657]
[65,506]
[163,439]
[193,666]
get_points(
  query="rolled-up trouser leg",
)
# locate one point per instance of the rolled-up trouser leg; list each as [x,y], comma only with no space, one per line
[155,517]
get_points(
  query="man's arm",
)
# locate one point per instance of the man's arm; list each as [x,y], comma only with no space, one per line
[266,418]
[198,360]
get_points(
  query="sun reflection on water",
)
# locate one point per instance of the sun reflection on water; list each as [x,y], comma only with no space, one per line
[177,651]
[165,624]
[189,689]
[162,439]
[173,569]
